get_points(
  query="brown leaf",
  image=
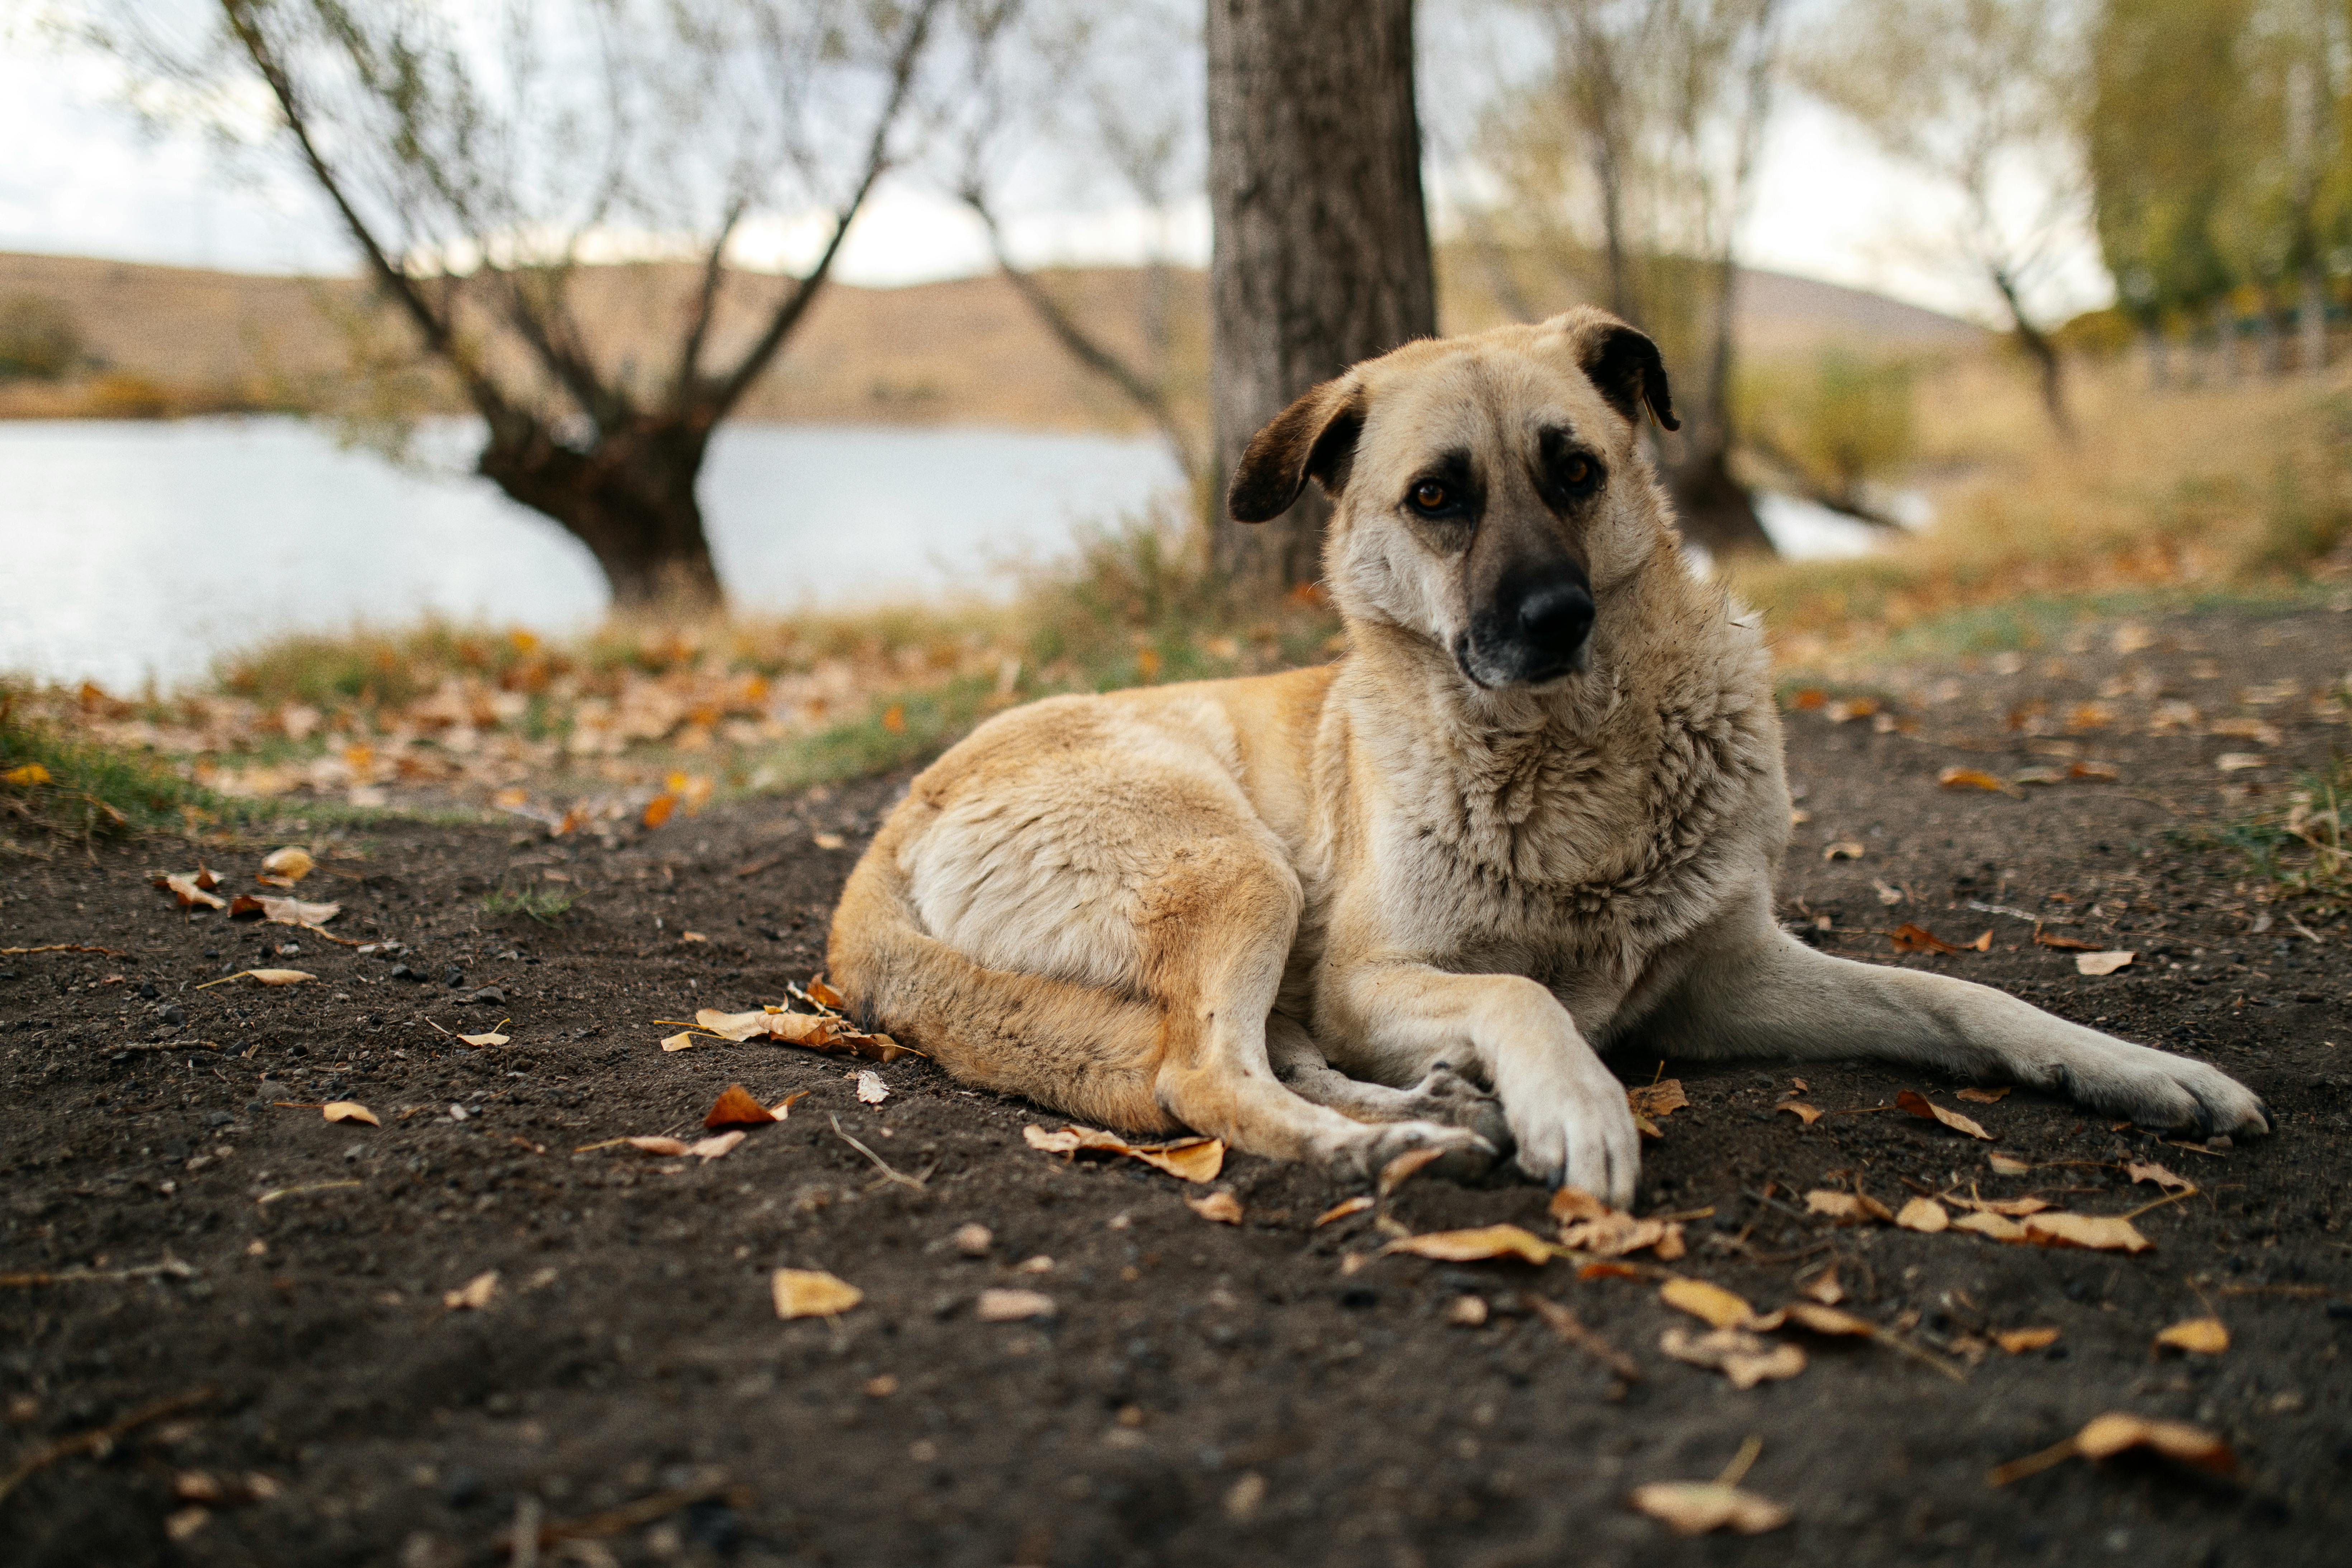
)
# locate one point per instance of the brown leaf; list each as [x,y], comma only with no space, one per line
[1815,1318]
[2099,1233]
[2115,1432]
[1824,1287]
[282,911]
[658,809]
[1985,1096]
[656,1145]
[1923,1215]
[1570,1204]
[350,1111]
[280,976]
[1657,1100]
[187,887]
[474,1295]
[293,863]
[1739,1355]
[1910,938]
[1013,1306]
[1342,1209]
[712,1147]
[2157,1173]
[2199,1336]
[1613,1235]
[2062,943]
[1404,1167]
[2010,1208]
[1801,1111]
[1708,1303]
[1486,1241]
[1970,778]
[1848,1208]
[1696,1508]
[2092,772]
[1920,1106]
[736,1108]
[1990,1224]
[813,1293]
[1221,1207]
[825,996]
[2007,1164]
[2102,962]
[784,1107]
[1193,1159]
[2018,1341]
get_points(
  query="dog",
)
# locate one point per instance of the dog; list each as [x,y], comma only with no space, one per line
[1406,900]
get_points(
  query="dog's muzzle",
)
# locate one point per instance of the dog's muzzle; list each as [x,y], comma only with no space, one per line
[1540,632]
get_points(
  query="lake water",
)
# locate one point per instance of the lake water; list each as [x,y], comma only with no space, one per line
[131,551]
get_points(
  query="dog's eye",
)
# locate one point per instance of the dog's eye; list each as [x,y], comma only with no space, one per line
[1432,495]
[1576,471]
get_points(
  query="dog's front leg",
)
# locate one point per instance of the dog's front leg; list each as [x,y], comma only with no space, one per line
[1567,1111]
[1747,988]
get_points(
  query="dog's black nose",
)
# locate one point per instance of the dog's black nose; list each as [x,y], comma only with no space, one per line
[1556,616]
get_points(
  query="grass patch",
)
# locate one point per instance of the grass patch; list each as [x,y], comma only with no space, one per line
[2302,851]
[545,905]
[70,784]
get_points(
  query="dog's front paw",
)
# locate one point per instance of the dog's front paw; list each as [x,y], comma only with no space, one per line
[2157,1089]
[1579,1134]
[1448,1096]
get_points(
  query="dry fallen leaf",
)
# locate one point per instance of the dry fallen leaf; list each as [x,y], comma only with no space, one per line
[1969,778]
[1990,1224]
[1193,1159]
[2099,1233]
[1801,1111]
[2157,1173]
[1222,1207]
[1657,1100]
[2012,1208]
[190,889]
[784,1107]
[1739,1355]
[474,1295]
[1910,938]
[491,1039]
[871,1089]
[684,1040]
[813,1293]
[1474,1245]
[1985,1096]
[658,809]
[1342,1209]
[293,863]
[813,1031]
[1403,1168]
[2201,1336]
[2017,1341]
[1848,1208]
[1708,1303]
[1570,1204]
[282,911]
[2007,1164]
[825,996]
[1824,1286]
[1923,1215]
[2062,943]
[714,1146]
[2102,962]
[2112,1434]
[996,1306]
[1696,1508]
[1926,1109]
[656,1146]
[1816,1318]
[736,1108]
[26,775]
[350,1111]
[280,976]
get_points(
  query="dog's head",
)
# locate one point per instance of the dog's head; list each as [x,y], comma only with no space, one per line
[1485,489]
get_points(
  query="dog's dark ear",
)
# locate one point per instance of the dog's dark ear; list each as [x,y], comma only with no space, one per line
[1314,439]
[1624,365]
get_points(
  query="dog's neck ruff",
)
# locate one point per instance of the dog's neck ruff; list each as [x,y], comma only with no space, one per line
[1599,799]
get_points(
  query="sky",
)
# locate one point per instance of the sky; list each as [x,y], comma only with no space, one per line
[84,178]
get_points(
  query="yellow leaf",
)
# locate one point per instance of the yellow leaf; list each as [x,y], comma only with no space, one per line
[1404,1167]
[2100,1233]
[2017,1341]
[1920,1106]
[2201,1336]
[492,1038]
[1221,1207]
[293,863]
[1969,778]
[1486,1241]
[658,809]
[1342,1209]
[813,1293]
[1696,1508]
[474,1295]
[2112,1434]
[1925,1215]
[350,1111]
[1990,1224]
[683,1040]
[27,776]
[280,976]
[1710,1303]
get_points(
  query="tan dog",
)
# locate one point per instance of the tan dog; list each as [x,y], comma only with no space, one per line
[1533,812]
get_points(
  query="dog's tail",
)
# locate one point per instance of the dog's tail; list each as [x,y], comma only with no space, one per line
[1091,1054]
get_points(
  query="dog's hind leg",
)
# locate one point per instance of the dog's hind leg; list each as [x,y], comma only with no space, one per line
[1216,1075]
[1750,989]
[1443,1095]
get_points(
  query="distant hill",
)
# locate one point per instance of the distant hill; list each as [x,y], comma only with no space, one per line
[966,351]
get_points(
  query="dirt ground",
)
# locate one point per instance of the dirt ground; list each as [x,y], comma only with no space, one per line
[1266,1393]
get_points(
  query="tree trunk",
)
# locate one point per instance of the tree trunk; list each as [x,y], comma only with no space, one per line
[629,498]
[1714,511]
[1320,255]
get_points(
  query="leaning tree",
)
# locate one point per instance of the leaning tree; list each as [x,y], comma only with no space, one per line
[482,158]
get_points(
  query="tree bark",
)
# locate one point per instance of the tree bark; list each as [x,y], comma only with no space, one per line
[1320,255]
[630,499]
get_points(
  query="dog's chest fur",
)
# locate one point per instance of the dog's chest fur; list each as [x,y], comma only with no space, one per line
[1584,829]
